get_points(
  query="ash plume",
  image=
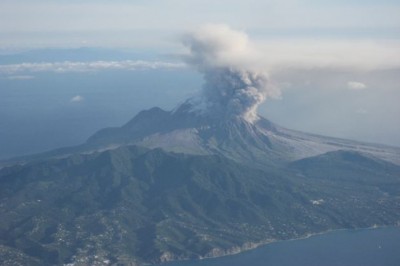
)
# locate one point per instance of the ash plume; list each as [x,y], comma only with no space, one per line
[232,88]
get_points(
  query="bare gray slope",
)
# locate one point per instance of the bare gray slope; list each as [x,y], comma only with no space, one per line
[189,131]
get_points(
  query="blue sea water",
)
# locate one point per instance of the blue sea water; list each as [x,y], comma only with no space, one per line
[363,247]
[37,114]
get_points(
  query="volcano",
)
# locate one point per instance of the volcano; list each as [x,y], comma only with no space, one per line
[183,184]
[209,178]
[188,129]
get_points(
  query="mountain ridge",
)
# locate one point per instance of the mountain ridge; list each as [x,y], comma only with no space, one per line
[212,133]
[184,185]
[188,130]
[138,205]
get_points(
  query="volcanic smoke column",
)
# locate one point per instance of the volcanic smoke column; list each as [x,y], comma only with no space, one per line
[232,87]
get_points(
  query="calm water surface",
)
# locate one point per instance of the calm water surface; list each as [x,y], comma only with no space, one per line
[364,247]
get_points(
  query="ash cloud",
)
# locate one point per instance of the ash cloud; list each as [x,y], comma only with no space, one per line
[232,88]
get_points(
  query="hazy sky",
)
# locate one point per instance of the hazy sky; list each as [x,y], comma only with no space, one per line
[153,23]
[337,63]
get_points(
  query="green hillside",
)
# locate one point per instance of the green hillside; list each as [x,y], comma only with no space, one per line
[135,205]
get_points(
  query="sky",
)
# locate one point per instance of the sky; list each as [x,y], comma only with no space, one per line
[153,23]
[335,63]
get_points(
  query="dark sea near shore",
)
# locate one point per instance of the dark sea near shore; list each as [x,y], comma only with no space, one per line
[361,247]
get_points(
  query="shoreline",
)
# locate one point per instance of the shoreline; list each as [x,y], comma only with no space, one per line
[263,244]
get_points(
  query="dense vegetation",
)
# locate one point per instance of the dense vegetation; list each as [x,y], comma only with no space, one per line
[136,205]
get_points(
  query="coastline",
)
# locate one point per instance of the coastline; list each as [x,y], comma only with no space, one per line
[240,250]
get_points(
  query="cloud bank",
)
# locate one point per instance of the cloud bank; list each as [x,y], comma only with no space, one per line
[68,66]
[232,88]
[349,55]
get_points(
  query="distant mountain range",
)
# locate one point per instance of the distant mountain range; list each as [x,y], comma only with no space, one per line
[184,184]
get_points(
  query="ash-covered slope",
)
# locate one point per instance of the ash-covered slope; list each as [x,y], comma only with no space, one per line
[190,130]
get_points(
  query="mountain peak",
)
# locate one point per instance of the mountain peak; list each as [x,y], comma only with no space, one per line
[200,107]
[191,129]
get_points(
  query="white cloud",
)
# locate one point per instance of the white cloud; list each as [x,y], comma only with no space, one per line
[299,53]
[68,66]
[272,55]
[360,55]
[355,85]
[317,202]
[76,99]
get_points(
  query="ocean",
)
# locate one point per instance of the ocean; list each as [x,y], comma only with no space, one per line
[361,247]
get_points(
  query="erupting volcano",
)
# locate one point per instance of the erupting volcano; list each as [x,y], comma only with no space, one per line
[209,178]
